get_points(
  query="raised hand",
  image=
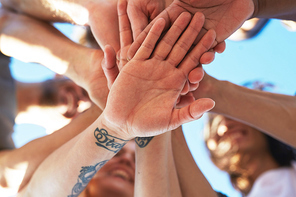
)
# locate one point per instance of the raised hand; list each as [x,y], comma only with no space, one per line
[224,16]
[142,98]
[141,12]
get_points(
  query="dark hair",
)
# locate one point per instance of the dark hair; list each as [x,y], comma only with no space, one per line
[281,152]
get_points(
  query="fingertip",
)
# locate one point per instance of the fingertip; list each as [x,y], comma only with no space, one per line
[220,47]
[196,75]
[207,57]
[200,16]
[201,106]
[121,7]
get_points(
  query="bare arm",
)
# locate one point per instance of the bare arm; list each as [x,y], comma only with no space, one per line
[100,15]
[155,168]
[191,179]
[269,112]
[24,161]
[49,47]
[285,9]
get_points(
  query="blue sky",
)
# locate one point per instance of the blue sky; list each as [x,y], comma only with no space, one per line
[269,57]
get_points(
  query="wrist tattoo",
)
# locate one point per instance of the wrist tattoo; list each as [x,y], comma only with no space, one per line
[143,141]
[86,174]
[107,141]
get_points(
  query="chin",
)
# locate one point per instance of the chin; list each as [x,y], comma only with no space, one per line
[110,187]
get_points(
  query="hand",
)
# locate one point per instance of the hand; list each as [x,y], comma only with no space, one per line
[224,16]
[93,79]
[142,98]
[141,12]
[103,22]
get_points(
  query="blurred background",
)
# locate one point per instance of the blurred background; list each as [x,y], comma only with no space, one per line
[268,57]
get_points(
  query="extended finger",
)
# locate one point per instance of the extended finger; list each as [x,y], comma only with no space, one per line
[125,31]
[186,40]
[168,41]
[193,58]
[149,43]
[141,37]
[109,65]
[138,19]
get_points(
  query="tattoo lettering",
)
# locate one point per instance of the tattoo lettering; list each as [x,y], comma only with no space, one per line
[86,174]
[107,141]
[143,141]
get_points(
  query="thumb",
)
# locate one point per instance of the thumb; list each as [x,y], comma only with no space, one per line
[191,112]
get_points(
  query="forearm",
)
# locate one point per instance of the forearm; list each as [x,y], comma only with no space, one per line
[72,11]
[268,112]
[155,168]
[100,15]
[24,161]
[191,179]
[46,46]
[284,9]
[75,163]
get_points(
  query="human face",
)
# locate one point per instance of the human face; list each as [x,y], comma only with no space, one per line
[235,136]
[116,177]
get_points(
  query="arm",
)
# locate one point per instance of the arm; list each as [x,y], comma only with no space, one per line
[155,167]
[100,15]
[135,107]
[269,112]
[83,67]
[188,171]
[275,9]
[24,161]
[225,17]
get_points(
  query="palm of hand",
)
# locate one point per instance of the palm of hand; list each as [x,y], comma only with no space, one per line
[224,16]
[142,98]
[142,90]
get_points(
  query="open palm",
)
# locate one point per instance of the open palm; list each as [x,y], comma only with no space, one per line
[142,98]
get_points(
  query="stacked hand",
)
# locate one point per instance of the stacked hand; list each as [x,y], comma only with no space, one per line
[143,95]
[224,16]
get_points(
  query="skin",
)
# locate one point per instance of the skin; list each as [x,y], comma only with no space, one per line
[115,178]
[245,143]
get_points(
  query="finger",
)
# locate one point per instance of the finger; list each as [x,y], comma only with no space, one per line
[109,65]
[193,58]
[196,75]
[149,43]
[168,41]
[138,19]
[191,112]
[193,86]
[185,89]
[219,48]
[207,57]
[125,31]
[185,100]
[141,37]
[183,45]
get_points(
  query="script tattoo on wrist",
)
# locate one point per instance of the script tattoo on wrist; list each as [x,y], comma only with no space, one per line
[107,141]
[143,141]
[86,174]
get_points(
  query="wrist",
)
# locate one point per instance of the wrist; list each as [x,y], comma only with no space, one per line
[112,128]
[225,91]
